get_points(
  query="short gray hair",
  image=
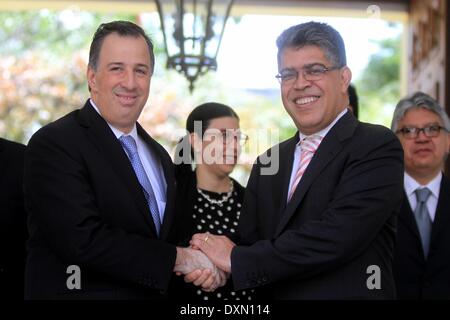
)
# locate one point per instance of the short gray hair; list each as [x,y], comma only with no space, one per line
[316,34]
[418,100]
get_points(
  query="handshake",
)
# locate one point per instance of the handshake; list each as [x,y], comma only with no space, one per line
[207,262]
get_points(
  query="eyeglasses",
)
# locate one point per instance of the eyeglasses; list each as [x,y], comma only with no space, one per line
[313,72]
[413,132]
[228,136]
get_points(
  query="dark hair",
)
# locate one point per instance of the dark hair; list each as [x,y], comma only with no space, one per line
[316,34]
[203,114]
[122,28]
[207,112]
[353,99]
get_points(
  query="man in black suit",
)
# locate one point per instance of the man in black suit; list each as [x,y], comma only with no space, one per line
[13,232]
[322,226]
[100,191]
[422,255]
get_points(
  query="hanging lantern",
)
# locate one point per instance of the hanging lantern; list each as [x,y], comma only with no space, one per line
[192,31]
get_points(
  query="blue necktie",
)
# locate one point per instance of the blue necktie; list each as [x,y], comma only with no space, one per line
[130,147]
[423,219]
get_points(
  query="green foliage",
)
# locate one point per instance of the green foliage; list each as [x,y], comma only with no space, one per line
[57,33]
[379,86]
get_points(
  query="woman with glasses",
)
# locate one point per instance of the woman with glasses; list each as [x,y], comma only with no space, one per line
[208,200]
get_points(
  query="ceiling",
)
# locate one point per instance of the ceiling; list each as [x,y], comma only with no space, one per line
[389,9]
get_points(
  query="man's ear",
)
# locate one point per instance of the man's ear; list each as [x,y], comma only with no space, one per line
[346,78]
[90,74]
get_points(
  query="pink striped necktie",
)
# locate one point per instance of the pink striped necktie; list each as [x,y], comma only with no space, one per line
[308,147]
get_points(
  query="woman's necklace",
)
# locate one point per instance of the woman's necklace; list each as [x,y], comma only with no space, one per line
[221,201]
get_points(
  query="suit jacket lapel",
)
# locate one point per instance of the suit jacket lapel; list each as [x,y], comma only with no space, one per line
[106,142]
[168,171]
[330,146]
[407,217]
[286,156]
[442,217]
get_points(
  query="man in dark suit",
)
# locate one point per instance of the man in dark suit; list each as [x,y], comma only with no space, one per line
[322,226]
[13,232]
[100,191]
[422,255]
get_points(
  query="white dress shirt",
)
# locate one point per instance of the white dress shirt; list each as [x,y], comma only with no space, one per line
[434,185]
[297,153]
[150,162]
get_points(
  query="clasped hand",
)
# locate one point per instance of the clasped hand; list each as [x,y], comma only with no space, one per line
[207,262]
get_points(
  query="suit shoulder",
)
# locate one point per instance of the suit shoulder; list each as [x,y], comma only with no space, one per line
[369,129]
[373,134]
[370,139]
[58,128]
[11,153]
[12,146]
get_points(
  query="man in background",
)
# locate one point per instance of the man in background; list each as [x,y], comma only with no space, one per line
[422,255]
